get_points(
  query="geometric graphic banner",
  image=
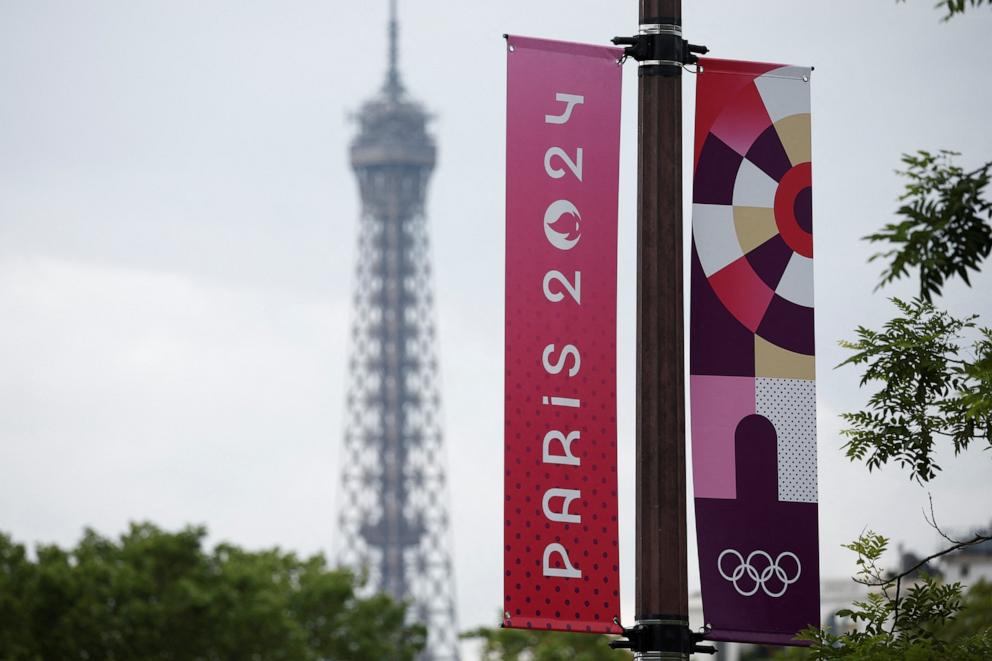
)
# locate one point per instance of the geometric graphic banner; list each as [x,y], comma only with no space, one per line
[560,535]
[751,372]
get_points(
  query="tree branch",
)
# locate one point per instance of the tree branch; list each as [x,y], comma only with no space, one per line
[932,520]
[978,539]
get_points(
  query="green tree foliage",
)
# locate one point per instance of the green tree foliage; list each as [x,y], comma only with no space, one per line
[929,620]
[529,645]
[890,626]
[954,7]
[958,6]
[975,614]
[155,595]
[945,228]
[929,389]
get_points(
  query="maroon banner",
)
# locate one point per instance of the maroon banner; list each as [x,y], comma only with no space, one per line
[561,561]
[752,365]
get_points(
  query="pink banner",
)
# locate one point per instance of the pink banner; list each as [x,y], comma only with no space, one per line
[562,169]
[751,358]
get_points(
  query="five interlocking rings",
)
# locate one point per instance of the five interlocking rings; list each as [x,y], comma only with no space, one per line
[754,572]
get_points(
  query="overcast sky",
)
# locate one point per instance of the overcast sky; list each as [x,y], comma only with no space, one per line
[178,227]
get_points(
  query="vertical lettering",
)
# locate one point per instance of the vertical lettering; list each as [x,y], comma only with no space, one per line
[568,571]
[571,100]
[567,459]
[559,365]
[567,496]
[570,402]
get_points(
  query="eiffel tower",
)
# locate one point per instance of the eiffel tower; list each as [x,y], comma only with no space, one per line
[393,516]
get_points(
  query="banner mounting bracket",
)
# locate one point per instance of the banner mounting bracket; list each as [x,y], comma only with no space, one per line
[662,634]
[659,48]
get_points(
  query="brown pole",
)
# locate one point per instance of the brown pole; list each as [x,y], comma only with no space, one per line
[661,582]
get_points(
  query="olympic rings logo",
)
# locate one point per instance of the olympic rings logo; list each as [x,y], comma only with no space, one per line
[760,572]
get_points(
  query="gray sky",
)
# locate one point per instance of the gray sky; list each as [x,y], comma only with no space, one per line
[177,232]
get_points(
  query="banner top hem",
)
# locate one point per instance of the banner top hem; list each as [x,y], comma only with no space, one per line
[566,47]
[710,65]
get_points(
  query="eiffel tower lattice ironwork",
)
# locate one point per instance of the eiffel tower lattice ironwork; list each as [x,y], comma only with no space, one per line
[393,516]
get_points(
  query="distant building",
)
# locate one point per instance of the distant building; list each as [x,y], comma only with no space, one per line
[393,520]
[970,564]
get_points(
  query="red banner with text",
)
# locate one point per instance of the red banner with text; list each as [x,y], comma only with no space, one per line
[561,560]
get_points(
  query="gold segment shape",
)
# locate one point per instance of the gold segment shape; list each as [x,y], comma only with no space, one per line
[794,133]
[774,361]
[754,226]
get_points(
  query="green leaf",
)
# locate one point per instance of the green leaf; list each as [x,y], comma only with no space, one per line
[928,389]
[946,229]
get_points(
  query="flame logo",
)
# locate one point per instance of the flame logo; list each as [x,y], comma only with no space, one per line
[561,224]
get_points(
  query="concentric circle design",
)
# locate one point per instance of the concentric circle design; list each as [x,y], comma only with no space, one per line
[753,213]
[793,209]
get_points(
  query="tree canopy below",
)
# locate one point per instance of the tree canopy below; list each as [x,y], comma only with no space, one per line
[157,595]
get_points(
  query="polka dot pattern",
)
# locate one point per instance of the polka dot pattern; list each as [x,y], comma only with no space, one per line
[790,404]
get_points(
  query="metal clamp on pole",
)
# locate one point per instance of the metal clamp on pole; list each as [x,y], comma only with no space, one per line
[662,639]
[660,49]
